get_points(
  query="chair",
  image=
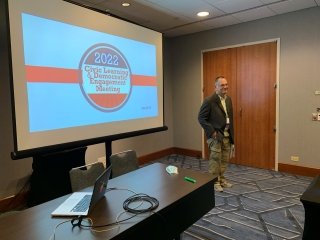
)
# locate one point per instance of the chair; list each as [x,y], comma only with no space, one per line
[85,176]
[123,162]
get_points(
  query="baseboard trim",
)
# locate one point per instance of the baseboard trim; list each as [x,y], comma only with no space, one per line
[166,152]
[15,202]
[292,169]
[298,170]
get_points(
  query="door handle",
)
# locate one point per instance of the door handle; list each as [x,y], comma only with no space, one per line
[240,112]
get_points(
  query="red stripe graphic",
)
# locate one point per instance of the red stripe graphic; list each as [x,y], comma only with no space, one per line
[51,75]
[108,100]
[63,75]
[140,80]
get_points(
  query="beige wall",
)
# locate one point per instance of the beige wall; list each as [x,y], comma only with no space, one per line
[299,77]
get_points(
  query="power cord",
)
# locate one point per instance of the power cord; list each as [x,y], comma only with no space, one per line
[137,197]
[141,197]
[127,206]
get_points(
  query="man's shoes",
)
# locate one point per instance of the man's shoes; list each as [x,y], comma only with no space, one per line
[217,187]
[226,184]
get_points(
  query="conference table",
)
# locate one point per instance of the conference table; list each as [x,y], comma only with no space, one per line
[181,203]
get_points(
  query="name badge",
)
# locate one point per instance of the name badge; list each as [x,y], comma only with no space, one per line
[227,125]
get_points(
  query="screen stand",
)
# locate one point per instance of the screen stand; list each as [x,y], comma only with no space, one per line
[50,176]
[108,146]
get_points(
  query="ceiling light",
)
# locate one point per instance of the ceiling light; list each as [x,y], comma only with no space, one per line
[202,14]
[125,4]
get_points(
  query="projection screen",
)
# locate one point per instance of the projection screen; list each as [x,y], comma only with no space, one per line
[79,74]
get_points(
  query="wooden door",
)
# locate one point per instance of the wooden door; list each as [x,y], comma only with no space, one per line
[251,74]
[256,94]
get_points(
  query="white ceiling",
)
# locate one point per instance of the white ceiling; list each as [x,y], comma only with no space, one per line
[178,17]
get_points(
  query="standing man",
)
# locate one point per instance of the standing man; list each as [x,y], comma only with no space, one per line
[216,118]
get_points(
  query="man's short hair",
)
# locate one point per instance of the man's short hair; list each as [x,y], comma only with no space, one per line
[218,78]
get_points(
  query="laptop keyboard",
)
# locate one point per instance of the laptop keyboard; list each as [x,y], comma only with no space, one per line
[83,204]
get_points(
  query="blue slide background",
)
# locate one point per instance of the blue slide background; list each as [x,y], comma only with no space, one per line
[52,106]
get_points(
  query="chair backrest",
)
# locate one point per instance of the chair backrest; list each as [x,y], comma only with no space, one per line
[123,162]
[85,176]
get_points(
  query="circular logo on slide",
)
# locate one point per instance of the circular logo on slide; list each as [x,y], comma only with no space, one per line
[105,77]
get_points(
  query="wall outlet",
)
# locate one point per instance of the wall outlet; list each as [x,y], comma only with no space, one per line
[103,160]
[314,116]
[295,158]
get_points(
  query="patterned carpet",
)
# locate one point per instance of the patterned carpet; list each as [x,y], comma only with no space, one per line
[262,204]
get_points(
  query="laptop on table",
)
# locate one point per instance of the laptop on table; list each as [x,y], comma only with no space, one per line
[81,203]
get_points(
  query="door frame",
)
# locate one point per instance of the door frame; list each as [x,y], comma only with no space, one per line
[277,40]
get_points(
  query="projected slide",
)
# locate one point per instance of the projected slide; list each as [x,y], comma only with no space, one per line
[78,77]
